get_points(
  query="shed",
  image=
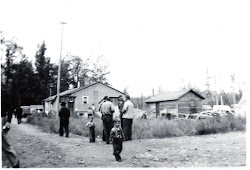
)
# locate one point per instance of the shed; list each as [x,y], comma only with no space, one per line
[183,101]
[79,100]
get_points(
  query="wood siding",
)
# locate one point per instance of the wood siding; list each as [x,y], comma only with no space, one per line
[94,94]
[188,103]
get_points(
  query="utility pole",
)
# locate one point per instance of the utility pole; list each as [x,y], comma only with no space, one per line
[59,72]
[208,95]
[233,87]
[216,95]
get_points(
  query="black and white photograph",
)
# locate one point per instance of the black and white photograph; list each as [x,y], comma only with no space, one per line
[124,83]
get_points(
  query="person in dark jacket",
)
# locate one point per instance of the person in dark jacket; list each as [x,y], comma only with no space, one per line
[19,114]
[107,110]
[117,137]
[6,147]
[64,115]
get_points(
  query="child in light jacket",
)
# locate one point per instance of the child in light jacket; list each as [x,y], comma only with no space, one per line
[91,127]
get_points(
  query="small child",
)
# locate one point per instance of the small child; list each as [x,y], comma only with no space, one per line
[91,127]
[117,137]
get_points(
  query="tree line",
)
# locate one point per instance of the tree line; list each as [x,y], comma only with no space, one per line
[25,83]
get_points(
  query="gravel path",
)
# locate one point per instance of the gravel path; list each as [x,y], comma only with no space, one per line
[37,149]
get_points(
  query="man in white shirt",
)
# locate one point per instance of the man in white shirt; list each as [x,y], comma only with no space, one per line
[127,118]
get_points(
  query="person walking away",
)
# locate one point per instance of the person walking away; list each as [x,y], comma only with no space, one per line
[19,114]
[127,118]
[107,110]
[117,137]
[6,147]
[91,127]
[120,106]
[64,115]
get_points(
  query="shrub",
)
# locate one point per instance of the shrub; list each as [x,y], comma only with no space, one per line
[161,128]
[144,128]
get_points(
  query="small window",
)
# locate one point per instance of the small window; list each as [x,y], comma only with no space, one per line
[85,99]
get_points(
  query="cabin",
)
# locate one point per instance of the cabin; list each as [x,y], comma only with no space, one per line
[78,100]
[184,101]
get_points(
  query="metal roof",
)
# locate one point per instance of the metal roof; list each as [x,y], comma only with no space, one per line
[169,96]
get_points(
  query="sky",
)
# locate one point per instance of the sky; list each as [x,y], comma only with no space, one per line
[149,44]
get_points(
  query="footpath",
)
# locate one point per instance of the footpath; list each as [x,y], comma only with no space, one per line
[37,149]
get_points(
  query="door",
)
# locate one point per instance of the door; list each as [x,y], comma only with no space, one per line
[157,109]
[71,107]
[192,106]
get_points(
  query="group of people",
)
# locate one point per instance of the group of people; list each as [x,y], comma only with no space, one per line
[119,129]
[115,130]
[107,109]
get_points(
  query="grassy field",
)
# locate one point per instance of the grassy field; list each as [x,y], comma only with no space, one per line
[145,129]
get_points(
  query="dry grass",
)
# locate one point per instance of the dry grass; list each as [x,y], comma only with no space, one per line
[143,128]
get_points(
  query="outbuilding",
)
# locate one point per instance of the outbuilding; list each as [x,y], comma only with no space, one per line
[79,100]
[183,101]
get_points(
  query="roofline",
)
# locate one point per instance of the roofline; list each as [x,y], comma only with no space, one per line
[81,88]
[95,84]
[178,97]
[112,88]
[159,101]
[196,93]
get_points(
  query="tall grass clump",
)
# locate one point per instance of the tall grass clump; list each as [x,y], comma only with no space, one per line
[77,124]
[161,128]
[48,124]
[145,128]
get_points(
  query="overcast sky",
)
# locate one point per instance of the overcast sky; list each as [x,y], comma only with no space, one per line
[149,44]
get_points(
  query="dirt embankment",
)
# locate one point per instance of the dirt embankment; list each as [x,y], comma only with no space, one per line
[37,149]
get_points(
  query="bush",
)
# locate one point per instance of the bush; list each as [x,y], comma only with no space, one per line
[76,124]
[144,128]
[161,128]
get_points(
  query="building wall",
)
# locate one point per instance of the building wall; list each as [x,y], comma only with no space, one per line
[50,107]
[94,94]
[168,105]
[190,102]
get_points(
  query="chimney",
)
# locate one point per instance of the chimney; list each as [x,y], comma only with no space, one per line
[153,92]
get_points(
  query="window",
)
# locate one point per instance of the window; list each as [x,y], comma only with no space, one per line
[85,99]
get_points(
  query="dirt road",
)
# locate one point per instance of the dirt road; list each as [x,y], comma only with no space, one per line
[37,149]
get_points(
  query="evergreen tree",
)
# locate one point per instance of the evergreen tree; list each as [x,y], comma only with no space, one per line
[45,73]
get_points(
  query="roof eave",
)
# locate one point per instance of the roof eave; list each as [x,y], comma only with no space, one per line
[160,101]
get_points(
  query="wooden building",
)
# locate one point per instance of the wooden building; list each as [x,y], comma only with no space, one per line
[184,101]
[79,100]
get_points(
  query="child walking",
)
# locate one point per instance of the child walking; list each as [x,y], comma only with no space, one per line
[91,127]
[117,137]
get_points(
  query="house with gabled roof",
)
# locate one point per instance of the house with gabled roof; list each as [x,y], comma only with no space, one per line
[79,100]
[183,101]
